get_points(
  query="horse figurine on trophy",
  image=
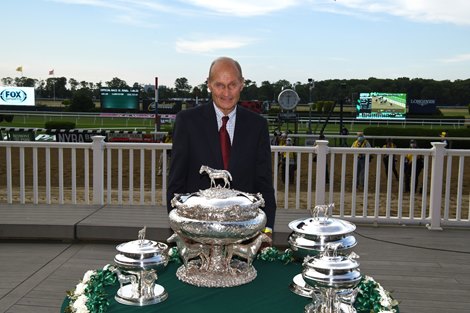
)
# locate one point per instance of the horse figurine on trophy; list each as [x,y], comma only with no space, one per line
[190,251]
[216,174]
[246,251]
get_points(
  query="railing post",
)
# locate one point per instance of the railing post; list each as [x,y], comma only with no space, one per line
[320,179]
[98,169]
[437,169]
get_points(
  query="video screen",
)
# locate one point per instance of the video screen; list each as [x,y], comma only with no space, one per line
[381,106]
[119,99]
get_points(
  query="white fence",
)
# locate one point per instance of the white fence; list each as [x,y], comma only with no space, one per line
[128,173]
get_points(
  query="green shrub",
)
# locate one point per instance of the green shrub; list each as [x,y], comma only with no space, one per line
[59,125]
[319,106]
[327,106]
[418,132]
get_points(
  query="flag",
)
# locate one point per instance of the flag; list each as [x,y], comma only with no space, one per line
[19,69]
[51,72]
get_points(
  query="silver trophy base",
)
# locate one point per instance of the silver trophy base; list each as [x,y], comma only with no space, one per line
[238,274]
[125,296]
[315,307]
[300,287]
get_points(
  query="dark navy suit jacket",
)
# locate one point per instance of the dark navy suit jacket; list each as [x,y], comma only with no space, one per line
[196,143]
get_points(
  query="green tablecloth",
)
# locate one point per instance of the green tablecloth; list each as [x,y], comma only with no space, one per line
[269,292]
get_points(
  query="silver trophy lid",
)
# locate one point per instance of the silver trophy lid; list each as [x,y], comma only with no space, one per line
[321,223]
[218,202]
[141,253]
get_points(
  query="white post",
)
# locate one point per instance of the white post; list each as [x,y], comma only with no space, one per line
[436,185]
[98,169]
[320,179]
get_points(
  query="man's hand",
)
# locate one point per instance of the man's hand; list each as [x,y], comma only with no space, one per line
[268,232]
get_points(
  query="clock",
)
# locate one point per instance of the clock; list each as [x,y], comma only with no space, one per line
[288,99]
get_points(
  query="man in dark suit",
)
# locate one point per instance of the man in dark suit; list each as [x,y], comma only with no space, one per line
[196,141]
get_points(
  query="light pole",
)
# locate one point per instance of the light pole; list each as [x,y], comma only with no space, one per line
[311,85]
[341,103]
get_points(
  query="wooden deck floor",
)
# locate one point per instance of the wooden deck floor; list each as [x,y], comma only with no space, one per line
[44,251]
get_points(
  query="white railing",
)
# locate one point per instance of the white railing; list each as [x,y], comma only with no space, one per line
[128,173]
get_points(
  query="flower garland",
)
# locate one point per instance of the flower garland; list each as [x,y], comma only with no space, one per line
[89,295]
[373,298]
[271,254]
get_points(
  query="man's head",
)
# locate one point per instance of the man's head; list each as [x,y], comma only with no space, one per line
[225,82]
[360,136]
[413,143]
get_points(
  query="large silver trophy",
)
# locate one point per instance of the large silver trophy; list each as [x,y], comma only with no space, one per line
[218,233]
[136,267]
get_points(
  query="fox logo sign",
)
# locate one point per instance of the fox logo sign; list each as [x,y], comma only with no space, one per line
[13,95]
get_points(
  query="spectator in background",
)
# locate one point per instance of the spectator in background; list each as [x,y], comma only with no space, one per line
[276,138]
[444,138]
[166,139]
[390,144]
[291,163]
[409,167]
[361,142]
[282,139]
[344,132]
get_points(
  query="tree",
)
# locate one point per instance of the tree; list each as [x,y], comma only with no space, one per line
[41,88]
[203,91]
[82,101]
[182,87]
[25,81]
[250,92]
[266,91]
[117,83]
[73,84]
[56,87]
[164,92]
[7,81]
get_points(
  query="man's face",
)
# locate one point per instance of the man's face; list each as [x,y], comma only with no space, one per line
[225,85]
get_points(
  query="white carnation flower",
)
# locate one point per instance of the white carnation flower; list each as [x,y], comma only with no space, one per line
[87,276]
[80,289]
[80,304]
[173,252]
[368,279]
[384,299]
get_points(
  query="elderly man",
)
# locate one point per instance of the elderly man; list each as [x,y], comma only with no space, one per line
[198,139]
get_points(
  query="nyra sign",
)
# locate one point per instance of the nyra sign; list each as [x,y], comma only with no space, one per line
[17,96]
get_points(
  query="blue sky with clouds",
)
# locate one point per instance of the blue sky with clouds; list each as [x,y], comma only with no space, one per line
[136,40]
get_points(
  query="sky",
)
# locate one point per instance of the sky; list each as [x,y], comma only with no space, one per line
[294,40]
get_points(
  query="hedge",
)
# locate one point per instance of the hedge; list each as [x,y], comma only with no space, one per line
[392,132]
[59,125]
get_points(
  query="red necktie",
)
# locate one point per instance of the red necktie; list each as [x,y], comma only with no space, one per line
[225,142]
